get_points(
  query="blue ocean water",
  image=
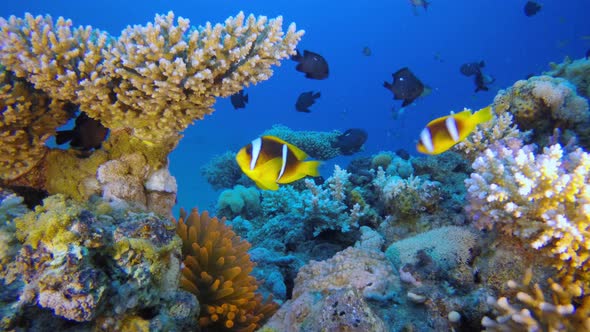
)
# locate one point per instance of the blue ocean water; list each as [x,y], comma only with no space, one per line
[432,43]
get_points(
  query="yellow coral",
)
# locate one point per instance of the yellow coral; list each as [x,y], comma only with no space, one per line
[29,118]
[52,56]
[217,269]
[566,309]
[543,103]
[167,75]
[49,224]
[146,86]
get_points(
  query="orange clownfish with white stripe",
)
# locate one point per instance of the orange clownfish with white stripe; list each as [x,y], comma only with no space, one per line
[270,161]
[442,133]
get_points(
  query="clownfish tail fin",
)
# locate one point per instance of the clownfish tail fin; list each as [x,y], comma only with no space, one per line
[483,115]
[310,168]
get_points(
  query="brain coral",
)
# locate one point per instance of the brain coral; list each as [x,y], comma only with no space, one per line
[217,269]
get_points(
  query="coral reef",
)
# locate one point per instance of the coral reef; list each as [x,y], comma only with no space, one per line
[566,308]
[383,159]
[223,171]
[317,144]
[217,270]
[367,271]
[345,281]
[337,310]
[146,86]
[95,267]
[543,104]
[239,201]
[29,118]
[450,247]
[501,126]
[11,206]
[154,79]
[543,199]
[325,206]
[407,197]
[575,71]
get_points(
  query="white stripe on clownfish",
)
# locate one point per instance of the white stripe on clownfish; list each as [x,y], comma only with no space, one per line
[426,139]
[451,125]
[256,147]
[284,160]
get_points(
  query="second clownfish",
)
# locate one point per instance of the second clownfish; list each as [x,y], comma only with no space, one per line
[442,133]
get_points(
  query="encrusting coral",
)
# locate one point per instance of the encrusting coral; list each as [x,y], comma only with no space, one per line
[332,295]
[317,144]
[575,71]
[146,86]
[217,269]
[544,104]
[94,268]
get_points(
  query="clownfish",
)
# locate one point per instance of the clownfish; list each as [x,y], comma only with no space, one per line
[442,133]
[269,160]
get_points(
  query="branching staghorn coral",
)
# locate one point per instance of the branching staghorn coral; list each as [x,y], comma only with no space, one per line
[155,79]
[325,205]
[159,78]
[566,307]
[53,56]
[501,126]
[407,197]
[543,199]
[217,269]
[146,86]
[28,117]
